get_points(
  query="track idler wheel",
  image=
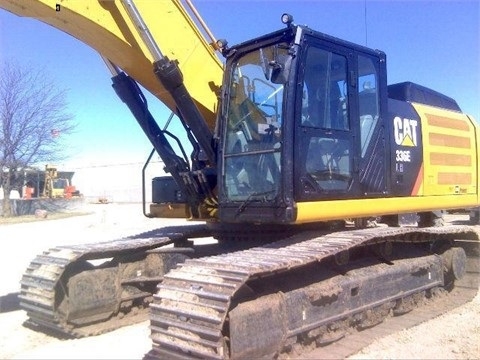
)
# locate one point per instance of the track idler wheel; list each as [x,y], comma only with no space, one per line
[455,263]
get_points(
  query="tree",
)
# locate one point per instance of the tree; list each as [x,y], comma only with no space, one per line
[32,115]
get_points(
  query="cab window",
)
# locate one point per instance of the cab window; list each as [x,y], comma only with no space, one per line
[325,122]
[368,100]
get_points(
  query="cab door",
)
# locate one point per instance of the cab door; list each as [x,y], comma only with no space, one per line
[324,132]
[340,149]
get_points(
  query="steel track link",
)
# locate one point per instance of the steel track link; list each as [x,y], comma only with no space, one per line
[441,303]
[190,312]
[41,284]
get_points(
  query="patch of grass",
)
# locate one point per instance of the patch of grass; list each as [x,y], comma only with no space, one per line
[31,218]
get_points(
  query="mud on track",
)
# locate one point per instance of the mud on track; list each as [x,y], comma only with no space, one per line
[447,336]
[464,292]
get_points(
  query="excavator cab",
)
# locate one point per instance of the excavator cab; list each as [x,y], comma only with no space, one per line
[253,137]
[303,120]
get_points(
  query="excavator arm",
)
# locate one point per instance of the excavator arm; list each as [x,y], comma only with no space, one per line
[106,27]
[156,44]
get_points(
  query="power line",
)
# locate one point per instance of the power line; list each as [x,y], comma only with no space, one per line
[365,22]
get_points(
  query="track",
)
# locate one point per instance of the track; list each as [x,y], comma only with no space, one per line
[465,290]
[63,291]
[208,286]
[210,307]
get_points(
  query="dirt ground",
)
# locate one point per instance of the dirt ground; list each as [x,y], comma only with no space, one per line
[455,335]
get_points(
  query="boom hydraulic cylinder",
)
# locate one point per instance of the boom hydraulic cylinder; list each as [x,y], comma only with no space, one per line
[170,75]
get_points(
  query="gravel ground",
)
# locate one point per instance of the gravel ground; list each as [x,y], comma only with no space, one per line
[455,335]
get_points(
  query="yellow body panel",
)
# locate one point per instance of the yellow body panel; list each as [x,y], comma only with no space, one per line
[342,209]
[106,27]
[477,136]
[450,152]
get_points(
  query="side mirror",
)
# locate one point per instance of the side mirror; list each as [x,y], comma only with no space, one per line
[280,69]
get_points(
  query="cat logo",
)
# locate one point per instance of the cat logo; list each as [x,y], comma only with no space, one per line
[405,131]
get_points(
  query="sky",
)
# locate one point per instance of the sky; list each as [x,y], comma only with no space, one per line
[433,43]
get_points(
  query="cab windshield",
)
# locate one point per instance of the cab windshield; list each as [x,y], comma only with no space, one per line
[254,125]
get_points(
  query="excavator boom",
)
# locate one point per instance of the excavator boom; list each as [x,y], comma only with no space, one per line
[106,27]
[158,45]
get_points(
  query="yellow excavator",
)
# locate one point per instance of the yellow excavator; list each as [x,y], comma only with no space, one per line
[296,133]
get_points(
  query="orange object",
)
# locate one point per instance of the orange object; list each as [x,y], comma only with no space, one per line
[29,191]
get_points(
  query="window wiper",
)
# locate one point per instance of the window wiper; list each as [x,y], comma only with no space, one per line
[252,197]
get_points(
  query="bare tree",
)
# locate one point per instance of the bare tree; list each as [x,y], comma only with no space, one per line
[32,115]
